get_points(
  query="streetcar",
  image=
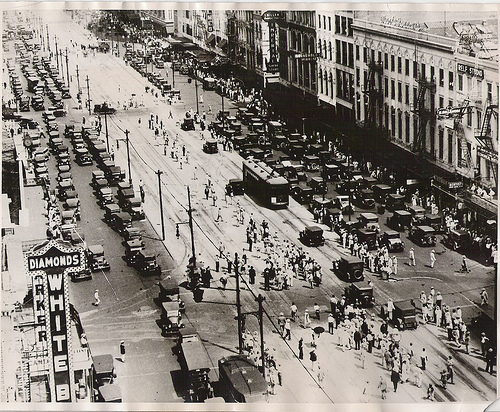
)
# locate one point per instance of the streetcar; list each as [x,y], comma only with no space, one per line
[265,185]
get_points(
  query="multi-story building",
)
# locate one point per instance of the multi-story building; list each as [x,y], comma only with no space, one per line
[162,20]
[406,71]
[336,72]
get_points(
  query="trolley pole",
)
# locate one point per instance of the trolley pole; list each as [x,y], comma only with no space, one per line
[67,66]
[238,303]
[78,78]
[128,157]
[88,94]
[223,117]
[62,64]
[48,38]
[260,299]
[106,127]
[191,229]
[57,53]
[159,172]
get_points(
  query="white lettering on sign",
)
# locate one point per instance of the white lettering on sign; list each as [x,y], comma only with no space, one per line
[62,393]
[50,262]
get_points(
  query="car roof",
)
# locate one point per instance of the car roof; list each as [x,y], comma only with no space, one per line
[351,259]
[402,212]
[426,229]
[391,232]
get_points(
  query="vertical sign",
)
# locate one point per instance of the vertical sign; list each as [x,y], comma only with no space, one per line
[272,65]
[49,265]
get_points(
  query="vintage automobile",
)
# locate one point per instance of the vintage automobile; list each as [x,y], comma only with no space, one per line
[380,192]
[330,173]
[236,186]
[422,235]
[187,124]
[457,239]
[399,220]
[312,236]
[132,249]
[349,268]
[133,206]
[146,264]
[434,221]
[394,201]
[392,240]
[369,220]
[82,157]
[104,108]
[96,259]
[404,315]
[360,293]
[342,203]
[122,221]
[302,194]
[417,215]
[368,236]
[110,211]
[210,146]
[364,198]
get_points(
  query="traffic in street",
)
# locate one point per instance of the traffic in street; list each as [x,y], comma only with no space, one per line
[220,208]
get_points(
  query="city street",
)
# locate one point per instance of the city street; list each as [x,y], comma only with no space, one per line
[128,311]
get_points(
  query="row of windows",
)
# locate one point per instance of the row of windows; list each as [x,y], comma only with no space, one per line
[303,17]
[343,25]
[343,52]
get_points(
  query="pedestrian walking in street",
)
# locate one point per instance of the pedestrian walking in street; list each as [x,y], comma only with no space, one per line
[288,329]
[430,392]
[412,257]
[467,341]
[97,300]
[390,308]
[307,319]
[170,116]
[141,189]
[122,351]
[223,281]
[293,311]
[484,297]
[331,322]
[382,385]
[395,378]
[490,360]
[219,215]
[449,368]
[418,377]
[301,348]
[423,359]
[313,358]
[433,258]
[251,275]
[362,358]
[317,311]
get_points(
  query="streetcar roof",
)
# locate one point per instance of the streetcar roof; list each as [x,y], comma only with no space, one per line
[264,172]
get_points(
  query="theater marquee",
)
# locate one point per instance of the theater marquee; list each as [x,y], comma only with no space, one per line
[50,265]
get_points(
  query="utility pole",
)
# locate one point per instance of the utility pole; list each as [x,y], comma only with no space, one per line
[57,53]
[62,64]
[173,75]
[223,117]
[260,299]
[128,157]
[349,181]
[78,78]
[88,94]
[159,172]
[196,90]
[191,229]
[67,67]
[106,127]
[238,303]
[48,38]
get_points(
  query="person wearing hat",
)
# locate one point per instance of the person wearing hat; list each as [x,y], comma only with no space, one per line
[307,319]
[122,351]
[433,258]
[490,360]
[465,266]
[484,297]
[484,343]
[412,257]
[96,298]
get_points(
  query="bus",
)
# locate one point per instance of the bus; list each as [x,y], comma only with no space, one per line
[265,185]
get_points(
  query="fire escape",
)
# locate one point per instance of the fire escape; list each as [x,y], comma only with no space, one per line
[373,91]
[425,112]
[484,137]
[457,113]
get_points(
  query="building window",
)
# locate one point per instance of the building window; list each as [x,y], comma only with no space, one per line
[450,147]
[478,118]
[407,127]
[187,14]
[490,92]
[400,125]
[432,73]
[329,23]
[319,21]
[415,70]
[407,94]
[325,49]
[469,117]
[432,140]
[400,65]
[460,82]
[441,77]
[441,102]
[321,81]
[407,67]
[415,128]
[386,86]
[337,24]
[400,92]
[386,61]
[393,122]
[450,80]
[349,27]
[351,55]
[338,51]
[459,153]
[393,90]
[330,49]
[344,54]
[415,97]
[423,71]
[357,52]
[441,143]
[365,54]
[358,80]
[392,63]
[386,115]
[344,25]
